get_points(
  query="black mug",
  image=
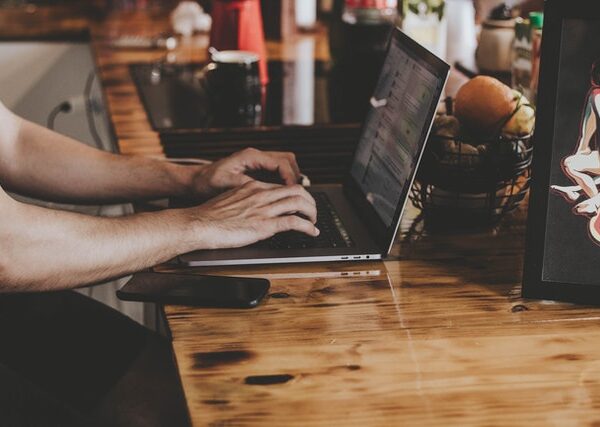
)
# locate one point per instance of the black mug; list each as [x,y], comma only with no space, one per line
[232,81]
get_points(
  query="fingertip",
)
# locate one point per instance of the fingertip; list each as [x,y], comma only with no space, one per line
[287,176]
[317,231]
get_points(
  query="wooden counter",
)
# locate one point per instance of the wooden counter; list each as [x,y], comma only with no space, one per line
[436,335]
[32,22]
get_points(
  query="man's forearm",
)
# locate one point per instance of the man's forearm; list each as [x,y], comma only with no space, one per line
[43,164]
[43,249]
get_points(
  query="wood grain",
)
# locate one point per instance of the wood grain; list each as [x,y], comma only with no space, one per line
[31,22]
[438,336]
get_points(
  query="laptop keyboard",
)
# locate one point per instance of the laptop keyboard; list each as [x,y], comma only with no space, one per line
[333,233]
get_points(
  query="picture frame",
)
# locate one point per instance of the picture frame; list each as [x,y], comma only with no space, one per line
[562,250]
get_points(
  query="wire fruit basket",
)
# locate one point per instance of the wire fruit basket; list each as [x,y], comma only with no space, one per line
[468,183]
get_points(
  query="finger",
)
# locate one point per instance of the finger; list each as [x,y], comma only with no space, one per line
[241,179]
[287,173]
[291,158]
[252,189]
[295,223]
[230,180]
[272,195]
[253,186]
[249,189]
[255,159]
[293,205]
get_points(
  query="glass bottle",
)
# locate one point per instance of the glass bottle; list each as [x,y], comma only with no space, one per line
[537,23]
[521,63]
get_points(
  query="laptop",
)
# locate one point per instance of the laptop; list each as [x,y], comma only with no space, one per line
[359,219]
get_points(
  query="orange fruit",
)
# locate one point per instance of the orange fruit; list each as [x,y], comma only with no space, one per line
[483,105]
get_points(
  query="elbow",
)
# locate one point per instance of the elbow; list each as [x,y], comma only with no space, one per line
[14,279]
[13,271]
[3,273]
[17,276]
[4,279]
[17,244]
[8,265]
[8,279]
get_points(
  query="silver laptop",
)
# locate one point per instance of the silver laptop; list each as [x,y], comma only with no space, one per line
[359,220]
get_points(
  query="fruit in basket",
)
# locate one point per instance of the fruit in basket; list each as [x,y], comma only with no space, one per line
[477,162]
[483,104]
[451,150]
[523,119]
[446,126]
[459,154]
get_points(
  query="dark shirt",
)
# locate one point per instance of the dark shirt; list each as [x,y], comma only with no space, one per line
[62,355]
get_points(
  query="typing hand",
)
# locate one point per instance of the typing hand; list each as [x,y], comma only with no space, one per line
[253,212]
[243,167]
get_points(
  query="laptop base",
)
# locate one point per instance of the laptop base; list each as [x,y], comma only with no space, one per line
[364,248]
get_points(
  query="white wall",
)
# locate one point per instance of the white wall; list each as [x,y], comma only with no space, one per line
[35,77]
[22,65]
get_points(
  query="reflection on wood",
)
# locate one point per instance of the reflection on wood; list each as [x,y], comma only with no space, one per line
[439,336]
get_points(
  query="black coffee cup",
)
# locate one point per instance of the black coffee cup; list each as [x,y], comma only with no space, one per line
[232,82]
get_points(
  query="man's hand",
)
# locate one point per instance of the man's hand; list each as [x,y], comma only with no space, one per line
[253,212]
[231,171]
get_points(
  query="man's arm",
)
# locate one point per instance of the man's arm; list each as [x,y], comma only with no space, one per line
[43,249]
[37,162]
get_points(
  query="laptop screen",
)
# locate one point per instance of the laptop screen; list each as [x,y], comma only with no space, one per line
[395,129]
